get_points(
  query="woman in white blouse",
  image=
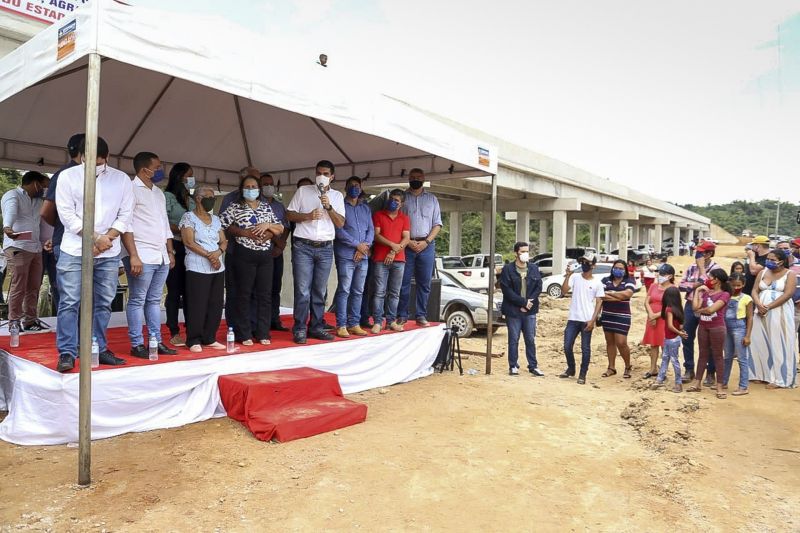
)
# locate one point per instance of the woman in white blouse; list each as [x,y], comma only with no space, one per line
[205,243]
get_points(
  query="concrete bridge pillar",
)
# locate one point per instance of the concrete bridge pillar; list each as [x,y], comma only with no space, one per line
[486,230]
[523,226]
[676,240]
[544,233]
[559,240]
[622,239]
[613,232]
[689,235]
[455,233]
[636,235]
[571,233]
[657,237]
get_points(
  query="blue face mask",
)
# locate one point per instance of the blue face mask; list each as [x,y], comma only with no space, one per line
[770,264]
[250,194]
[158,175]
[617,272]
[190,183]
[586,267]
[392,205]
[354,191]
[698,255]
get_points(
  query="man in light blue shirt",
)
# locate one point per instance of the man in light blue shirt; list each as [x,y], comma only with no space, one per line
[426,221]
[351,252]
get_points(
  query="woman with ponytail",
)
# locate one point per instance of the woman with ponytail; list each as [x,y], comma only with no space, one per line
[709,302]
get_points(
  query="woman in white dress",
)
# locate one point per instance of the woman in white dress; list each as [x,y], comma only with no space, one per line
[774,332]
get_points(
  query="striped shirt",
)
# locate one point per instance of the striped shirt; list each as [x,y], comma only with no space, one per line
[619,312]
[246,217]
[207,237]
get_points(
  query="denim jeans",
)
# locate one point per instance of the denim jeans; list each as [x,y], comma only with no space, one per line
[570,334]
[420,267]
[690,327]
[669,354]
[49,264]
[734,347]
[525,324]
[350,291]
[144,301]
[106,277]
[312,267]
[388,280]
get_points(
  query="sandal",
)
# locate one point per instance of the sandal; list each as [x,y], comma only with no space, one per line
[740,392]
[609,372]
[627,373]
[247,342]
[265,342]
[693,388]
[721,395]
[649,375]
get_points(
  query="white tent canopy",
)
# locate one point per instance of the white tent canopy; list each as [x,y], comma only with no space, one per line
[204,91]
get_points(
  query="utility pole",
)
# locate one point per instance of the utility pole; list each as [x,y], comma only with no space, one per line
[778,217]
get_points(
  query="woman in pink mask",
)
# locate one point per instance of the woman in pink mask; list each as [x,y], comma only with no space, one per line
[709,302]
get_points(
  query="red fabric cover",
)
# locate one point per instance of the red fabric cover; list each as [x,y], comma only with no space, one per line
[41,347]
[288,404]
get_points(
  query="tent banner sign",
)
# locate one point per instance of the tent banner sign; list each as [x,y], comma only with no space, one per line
[48,11]
[66,39]
[484,158]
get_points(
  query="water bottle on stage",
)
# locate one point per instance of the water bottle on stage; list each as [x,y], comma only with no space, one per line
[13,330]
[230,347]
[95,353]
[153,348]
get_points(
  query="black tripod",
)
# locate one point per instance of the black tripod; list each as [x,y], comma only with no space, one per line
[453,356]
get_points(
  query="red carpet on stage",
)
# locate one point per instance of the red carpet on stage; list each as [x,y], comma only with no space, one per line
[288,404]
[41,347]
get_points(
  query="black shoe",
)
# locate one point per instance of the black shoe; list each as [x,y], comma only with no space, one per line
[582,379]
[536,373]
[321,335]
[140,352]
[328,327]
[688,376]
[163,349]
[65,362]
[567,374]
[36,325]
[278,327]
[107,357]
[300,339]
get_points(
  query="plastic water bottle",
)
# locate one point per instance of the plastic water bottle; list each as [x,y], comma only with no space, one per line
[95,353]
[153,348]
[13,330]
[231,338]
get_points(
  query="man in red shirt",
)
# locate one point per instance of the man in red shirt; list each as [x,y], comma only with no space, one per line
[392,234]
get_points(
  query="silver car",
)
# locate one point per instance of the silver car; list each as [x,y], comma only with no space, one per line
[466,309]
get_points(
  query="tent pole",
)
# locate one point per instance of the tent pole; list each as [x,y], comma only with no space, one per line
[87,274]
[490,306]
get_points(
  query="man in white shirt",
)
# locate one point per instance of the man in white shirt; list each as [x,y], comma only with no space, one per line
[23,251]
[148,255]
[587,300]
[113,211]
[317,211]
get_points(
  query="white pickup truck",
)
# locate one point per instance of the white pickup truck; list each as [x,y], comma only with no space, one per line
[476,277]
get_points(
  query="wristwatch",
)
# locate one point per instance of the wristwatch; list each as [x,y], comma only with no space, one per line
[428,241]
[328,208]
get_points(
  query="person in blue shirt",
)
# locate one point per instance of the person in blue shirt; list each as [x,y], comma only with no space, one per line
[351,251]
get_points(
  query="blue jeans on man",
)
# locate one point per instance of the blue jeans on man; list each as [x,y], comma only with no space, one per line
[350,291]
[312,267]
[105,277]
[420,267]
[574,328]
[144,301]
[525,324]
[388,281]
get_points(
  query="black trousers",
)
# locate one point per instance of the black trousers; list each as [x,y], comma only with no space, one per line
[176,288]
[277,285]
[203,309]
[253,271]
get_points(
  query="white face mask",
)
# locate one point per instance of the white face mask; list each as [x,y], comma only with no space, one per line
[100,169]
[268,191]
[322,180]
[662,279]
[524,257]
[190,183]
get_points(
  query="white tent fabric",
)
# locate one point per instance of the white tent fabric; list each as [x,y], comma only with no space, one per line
[43,404]
[205,91]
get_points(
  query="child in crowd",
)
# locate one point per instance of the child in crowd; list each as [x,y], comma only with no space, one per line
[737,268]
[739,323]
[672,315]
[709,302]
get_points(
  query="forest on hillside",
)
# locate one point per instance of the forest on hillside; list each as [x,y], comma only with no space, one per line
[759,217]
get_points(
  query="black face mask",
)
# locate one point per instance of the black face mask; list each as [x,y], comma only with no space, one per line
[208,203]
[416,184]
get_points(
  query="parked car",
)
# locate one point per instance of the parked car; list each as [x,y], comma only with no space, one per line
[466,309]
[570,253]
[482,261]
[475,279]
[546,265]
[639,257]
[551,285]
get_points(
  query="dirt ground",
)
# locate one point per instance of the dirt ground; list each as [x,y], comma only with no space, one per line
[448,452]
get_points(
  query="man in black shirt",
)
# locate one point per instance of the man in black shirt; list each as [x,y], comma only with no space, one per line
[757,252]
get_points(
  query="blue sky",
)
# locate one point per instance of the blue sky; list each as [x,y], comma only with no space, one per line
[695,101]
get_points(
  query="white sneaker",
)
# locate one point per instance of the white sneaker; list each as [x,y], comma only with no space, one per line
[513,371]
[537,373]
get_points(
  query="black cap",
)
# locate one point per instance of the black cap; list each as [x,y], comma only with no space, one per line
[74,142]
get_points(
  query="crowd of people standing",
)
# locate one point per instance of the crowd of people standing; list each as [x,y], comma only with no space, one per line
[210,259]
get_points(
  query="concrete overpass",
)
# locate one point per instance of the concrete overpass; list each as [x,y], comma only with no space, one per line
[532,186]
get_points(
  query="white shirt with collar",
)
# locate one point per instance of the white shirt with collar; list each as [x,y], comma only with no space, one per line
[150,225]
[113,207]
[305,200]
[21,214]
